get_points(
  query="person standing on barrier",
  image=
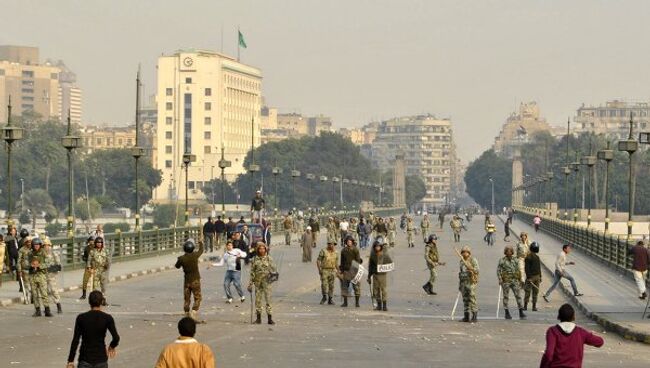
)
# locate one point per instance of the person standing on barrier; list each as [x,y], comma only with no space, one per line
[53,266]
[640,258]
[90,244]
[99,264]
[561,272]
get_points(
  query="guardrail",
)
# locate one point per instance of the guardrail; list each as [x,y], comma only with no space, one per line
[611,249]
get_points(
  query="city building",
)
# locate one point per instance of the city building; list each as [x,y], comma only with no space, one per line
[97,138]
[361,136]
[426,144]
[48,90]
[276,127]
[318,124]
[294,124]
[519,127]
[206,101]
[612,118]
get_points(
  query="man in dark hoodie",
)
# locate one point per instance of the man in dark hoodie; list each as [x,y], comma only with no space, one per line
[565,341]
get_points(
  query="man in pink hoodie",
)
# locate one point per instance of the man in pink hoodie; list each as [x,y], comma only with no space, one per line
[565,341]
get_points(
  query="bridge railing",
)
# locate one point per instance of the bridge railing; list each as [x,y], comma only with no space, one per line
[611,249]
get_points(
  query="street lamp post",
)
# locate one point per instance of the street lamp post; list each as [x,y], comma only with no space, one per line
[137,151]
[187,159]
[276,171]
[323,179]
[492,185]
[567,171]
[335,180]
[606,155]
[223,164]
[310,179]
[589,161]
[630,146]
[10,134]
[70,142]
[294,174]
[576,168]
[22,194]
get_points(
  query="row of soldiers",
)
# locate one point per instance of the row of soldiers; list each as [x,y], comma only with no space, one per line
[37,267]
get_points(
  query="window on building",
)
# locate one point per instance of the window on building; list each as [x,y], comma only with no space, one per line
[207,135]
[28,74]
[169,106]
[191,185]
[168,149]
[208,91]
[129,141]
[99,141]
[2,72]
[27,106]
[169,92]
[207,120]
[208,106]
[207,149]
[168,135]
[168,164]
[27,83]
[187,122]
[188,80]
[54,76]
[28,90]
[119,141]
[28,98]
[168,120]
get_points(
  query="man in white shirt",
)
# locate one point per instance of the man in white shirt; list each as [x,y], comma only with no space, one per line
[560,272]
[344,226]
[231,259]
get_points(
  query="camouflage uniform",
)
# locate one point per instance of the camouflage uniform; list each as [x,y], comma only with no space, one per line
[22,266]
[509,279]
[410,229]
[431,257]
[332,237]
[327,262]
[392,230]
[52,259]
[260,270]
[99,264]
[456,226]
[287,224]
[39,278]
[424,226]
[467,286]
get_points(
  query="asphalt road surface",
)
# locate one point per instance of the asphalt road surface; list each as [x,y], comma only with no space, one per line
[417,331]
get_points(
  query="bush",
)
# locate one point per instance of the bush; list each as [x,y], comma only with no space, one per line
[165,214]
[110,228]
[148,226]
[54,228]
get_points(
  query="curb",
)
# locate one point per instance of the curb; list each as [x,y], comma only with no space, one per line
[131,275]
[609,325]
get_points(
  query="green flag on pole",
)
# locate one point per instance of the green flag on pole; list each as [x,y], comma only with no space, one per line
[242,43]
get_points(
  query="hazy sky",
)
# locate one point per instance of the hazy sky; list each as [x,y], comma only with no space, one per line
[360,60]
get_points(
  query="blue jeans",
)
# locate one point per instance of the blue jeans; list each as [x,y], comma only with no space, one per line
[232,276]
[556,281]
[490,238]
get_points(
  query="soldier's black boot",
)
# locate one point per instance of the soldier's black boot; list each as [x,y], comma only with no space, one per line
[474,316]
[345,302]
[521,314]
[259,318]
[271,320]
[323,299]
[59,310]
[466,317]
[47,312]
[526,305]
[427,288]
[83,294]
[37,313]
[534,306]
[508,316]
[356,301]
[384,307]
[330,301]
[378,308]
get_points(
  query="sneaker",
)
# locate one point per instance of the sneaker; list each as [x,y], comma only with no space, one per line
[242,299]
[229,300]
[578,294]
[643,296]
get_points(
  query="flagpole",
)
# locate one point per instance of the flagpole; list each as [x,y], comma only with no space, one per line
[238,45]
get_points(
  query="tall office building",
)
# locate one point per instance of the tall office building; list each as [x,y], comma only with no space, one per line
[612,118]
[70,95]
[206,101]
[426,145]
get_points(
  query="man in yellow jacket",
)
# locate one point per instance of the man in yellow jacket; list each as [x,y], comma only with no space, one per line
[186,352]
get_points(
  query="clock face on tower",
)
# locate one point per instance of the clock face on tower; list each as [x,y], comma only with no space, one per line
[188,61]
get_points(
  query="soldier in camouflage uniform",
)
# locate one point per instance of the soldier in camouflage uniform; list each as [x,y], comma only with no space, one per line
[456,227]
[328,268]
[392,231]
[331,231]
[261,269]
[23,265]
[433,260]
[424,227]
[467,283]
[378,257]
[287,225]
[410,229]
[349,253]
[90,244]
[99,264]
[510,279]
[38,272]
[53,266]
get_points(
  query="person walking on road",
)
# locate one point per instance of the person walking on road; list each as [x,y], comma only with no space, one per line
[90,244]
[349,253]
[53,266]
[379,265]
[392,231]
[424,227]
[640,258]
[209,231]
[38,278]
[536,222]
[219,230]
[327,264]
[561,272]
[191,277]
[410,230]
[262,269]
[91,327]
[523,248]
[506,231]
[315,229]
[99,263]
[307,243]
[456,227]
[232,259]
[441,219]
[432,259]
[332,230]
[287,225]
[509,279]
[533,268]
[186,352]
[565,341]
[467,283]
[490,232]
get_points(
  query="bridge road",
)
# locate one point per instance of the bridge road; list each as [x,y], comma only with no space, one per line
[415,332]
